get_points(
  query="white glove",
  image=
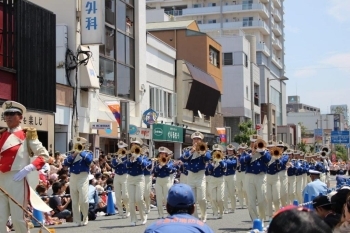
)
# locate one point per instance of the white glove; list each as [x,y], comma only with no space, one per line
[24,172]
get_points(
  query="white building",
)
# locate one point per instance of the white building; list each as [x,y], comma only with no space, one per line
[120,63]
[261,19]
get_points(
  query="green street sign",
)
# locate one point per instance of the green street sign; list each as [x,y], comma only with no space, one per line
[169,133]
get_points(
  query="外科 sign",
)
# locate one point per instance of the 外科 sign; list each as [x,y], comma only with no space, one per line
[100,125]
[169,133]
[340,137]
[92,22]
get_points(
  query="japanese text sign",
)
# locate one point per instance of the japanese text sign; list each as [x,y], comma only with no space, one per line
[92,22]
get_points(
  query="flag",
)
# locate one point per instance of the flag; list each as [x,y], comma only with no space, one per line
[114,106]
[222,134]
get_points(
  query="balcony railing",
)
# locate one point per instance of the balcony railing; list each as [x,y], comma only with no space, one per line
[277,3]
[174,12]
[201,11]
[277,44]
[261,47]
[277,29]
[236,25]
[246,7]
[277,15]
[277,61]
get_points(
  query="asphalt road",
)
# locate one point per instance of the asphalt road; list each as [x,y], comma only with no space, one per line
[232,222]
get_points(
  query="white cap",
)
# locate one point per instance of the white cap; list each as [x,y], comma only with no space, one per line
[197,135]
[13,106]
[311,171]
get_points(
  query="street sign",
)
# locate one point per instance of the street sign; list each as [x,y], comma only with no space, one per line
[132,129]
[99,125]
[318,133]
[340,137]
[258,126]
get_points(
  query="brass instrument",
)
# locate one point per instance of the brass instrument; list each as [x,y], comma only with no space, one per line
[201,148]
[163,160]
[276,152]
[135,152]
[324,153]
[259,145]
[121,153]
[218,156]
[78,147]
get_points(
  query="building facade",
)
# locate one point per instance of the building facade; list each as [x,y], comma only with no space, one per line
[21,79]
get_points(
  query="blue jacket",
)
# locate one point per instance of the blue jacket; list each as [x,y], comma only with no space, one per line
[218,171]
[258,165]
[81,165]
[231,166]
[163,171]
[136,167]
[119,168]
[183,168]
[274,167]
[197,164]
[148,170]
[292,171]
[178,223]
[284,159]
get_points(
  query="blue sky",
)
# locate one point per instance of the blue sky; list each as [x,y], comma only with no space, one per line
[317,59]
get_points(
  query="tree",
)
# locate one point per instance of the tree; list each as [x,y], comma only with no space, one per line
[302,146]
[245,131]
[341,152]
[303,129]
[312,149]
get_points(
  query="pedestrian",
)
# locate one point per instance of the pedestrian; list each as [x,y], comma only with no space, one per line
[181,206]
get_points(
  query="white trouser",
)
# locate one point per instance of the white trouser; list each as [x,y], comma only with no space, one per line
[79,194]
[255,186]
[240,176]
[273,187]
[284,187]
[299,188]
[121,193]
[217,189]
[162,188]
[147,192]
[291,188]
[230,191]
[197,182]
[136,187]
[183,178]
[19,191]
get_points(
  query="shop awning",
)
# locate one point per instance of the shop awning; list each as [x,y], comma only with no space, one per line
[204,93]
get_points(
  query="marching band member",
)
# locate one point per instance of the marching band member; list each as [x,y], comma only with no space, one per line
[184,172]
[79,162]
[273,184]
[305,166]
[207,186]
[147,172]
[282,174]
[136,181]
[255,177]
[298,177]
[241,168]
[230,178]
[197,157]
[16,146]
[163,170]
[120,177]
[217,183]
[291,172]
[325,159]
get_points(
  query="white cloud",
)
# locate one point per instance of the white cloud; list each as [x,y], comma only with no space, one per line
[305,72]
[340,61]
[340,9]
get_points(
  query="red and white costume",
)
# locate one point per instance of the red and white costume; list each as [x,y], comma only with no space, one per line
[14,156]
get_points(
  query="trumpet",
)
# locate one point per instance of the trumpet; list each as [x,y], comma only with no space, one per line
[218,156]
[201,148]
[135,150]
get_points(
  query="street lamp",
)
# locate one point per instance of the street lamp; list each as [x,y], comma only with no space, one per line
[269,126]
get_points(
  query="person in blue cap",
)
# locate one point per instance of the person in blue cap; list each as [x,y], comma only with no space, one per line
[180,206]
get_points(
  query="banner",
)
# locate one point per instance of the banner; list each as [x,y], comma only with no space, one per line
[222,135]
[114,106]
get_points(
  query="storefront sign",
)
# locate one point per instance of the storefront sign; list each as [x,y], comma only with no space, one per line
[149,117]
[144,133]
[30,119]
[170,133]
[132,129]
[99,125]
[93,26]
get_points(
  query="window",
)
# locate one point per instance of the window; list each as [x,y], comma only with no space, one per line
[214,56]
[247,92]
[275,98]
[247,4]
[245,60]
[228,59]
[212,21]
[197,5]
[247,21]
[110,12]
[107,72]
[212,4]
[125,81]
[125,18]
[199,21]
[125,51]
[107,49]
[163,102]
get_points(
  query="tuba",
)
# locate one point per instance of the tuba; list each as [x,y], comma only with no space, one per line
[201,148]
[217,156]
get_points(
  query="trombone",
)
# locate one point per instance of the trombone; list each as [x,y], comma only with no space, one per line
[201,148]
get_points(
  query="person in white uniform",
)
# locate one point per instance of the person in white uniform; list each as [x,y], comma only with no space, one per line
[230,178]
[240,176]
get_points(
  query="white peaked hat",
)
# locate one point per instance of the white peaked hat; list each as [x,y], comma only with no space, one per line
[136,140]
[12,106]
[217,147]
[80,140]
[270,144]
[122,144]
[254,137]
[230,147]
[197,135]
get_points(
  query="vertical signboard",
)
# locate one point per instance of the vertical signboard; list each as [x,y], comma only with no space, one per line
[92,22]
